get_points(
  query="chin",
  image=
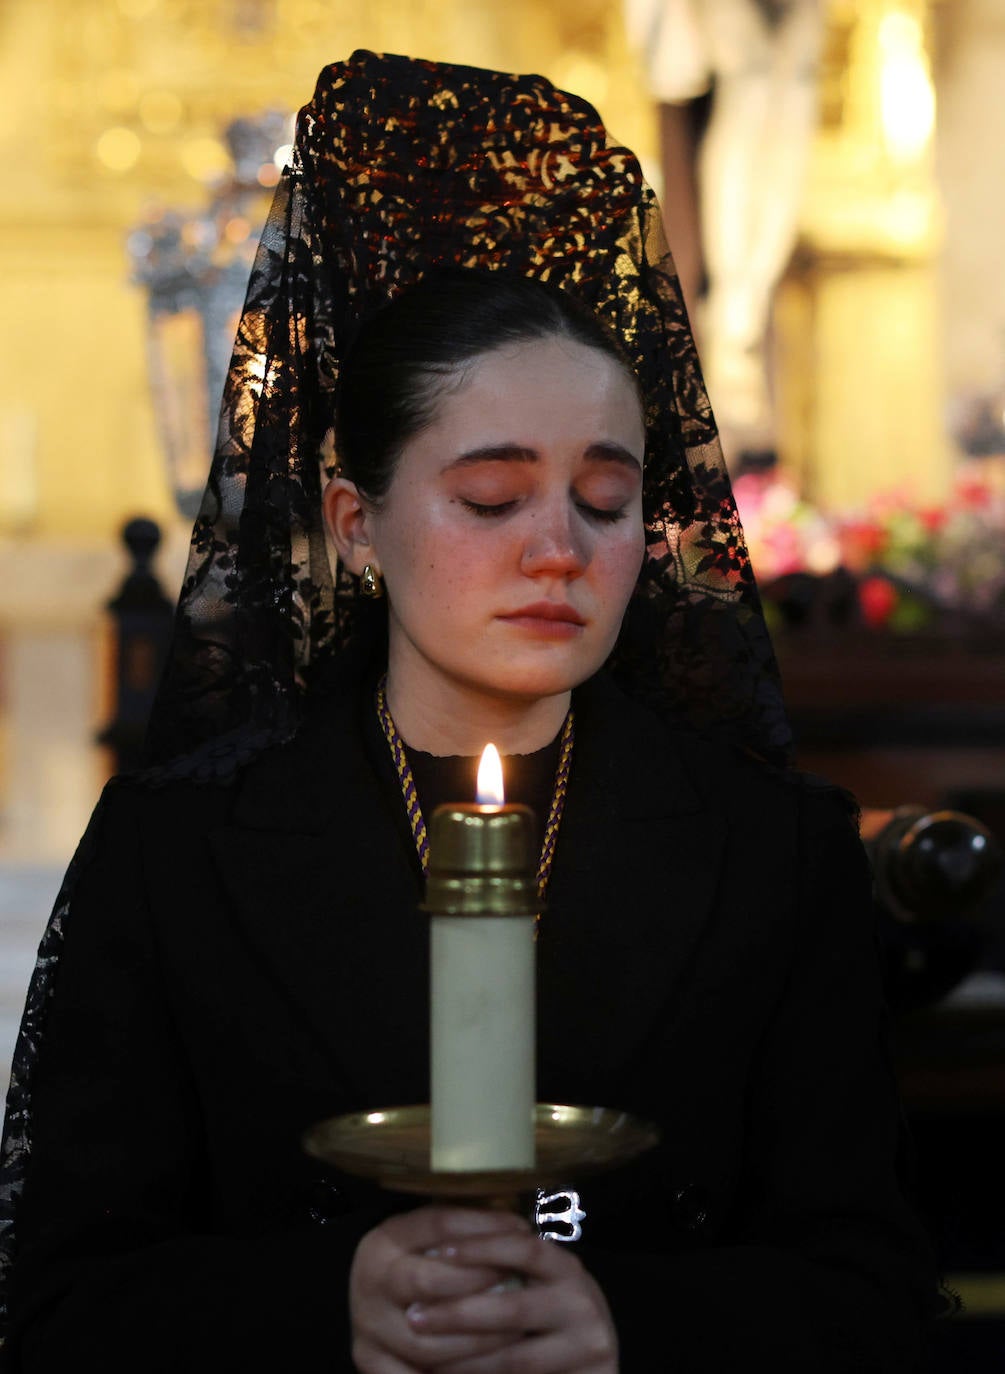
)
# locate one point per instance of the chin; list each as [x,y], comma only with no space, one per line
[539,680]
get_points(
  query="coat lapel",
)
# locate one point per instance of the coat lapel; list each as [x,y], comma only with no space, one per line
[322,880]
[324,888]
[635,877]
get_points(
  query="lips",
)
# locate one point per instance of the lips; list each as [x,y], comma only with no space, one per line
[555,611]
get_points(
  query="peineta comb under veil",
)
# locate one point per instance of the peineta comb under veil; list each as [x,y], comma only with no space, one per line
[400,167]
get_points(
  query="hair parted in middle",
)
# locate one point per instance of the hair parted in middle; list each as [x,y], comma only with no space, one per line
[414,350]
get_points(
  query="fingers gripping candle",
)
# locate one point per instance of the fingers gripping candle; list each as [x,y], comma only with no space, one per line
[482,897]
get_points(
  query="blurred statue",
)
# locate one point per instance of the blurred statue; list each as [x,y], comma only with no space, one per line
[732,197]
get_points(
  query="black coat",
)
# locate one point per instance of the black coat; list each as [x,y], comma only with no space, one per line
[244,958]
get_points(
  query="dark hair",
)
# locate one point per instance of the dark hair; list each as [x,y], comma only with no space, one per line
[408,354]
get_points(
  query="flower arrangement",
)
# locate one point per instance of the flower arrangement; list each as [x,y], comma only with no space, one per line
[914,565]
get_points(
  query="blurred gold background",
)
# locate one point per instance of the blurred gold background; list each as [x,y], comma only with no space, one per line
[108,104]
[111,104]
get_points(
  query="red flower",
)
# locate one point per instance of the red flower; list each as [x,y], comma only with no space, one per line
[862,542]
[877,598]
[972,493]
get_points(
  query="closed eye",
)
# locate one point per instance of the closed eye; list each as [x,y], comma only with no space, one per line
[606,517]
[485,510]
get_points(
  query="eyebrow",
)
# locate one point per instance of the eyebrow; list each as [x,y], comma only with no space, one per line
[603,452]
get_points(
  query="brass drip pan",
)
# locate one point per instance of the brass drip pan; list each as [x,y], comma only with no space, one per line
[392,1148]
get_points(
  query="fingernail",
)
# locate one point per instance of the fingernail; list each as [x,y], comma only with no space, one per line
[416,1314]
[508,1285]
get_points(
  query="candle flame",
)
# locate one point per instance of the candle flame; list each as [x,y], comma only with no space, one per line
[490,779]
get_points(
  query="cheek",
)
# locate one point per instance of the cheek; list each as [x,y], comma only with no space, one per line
[464,552]
[441,569]
[411,548]
[621,563]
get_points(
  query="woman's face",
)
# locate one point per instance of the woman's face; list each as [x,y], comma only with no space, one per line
[511,536]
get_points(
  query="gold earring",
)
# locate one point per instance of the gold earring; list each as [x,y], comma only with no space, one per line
[371,584]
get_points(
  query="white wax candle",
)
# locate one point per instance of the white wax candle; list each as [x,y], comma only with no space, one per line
[482,992]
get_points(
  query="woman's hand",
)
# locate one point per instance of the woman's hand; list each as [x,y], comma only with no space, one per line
[402,1265]
[557,1322]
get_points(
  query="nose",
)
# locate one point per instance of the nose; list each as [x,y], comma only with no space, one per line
[554,545]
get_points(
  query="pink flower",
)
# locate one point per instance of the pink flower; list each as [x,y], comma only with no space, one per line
[784,549]
[748,492]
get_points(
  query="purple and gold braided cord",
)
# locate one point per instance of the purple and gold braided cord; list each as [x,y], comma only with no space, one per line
[408,789]
[416,820]
[557,806]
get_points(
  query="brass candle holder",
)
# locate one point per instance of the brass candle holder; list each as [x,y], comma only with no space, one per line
[483,1140]
[481,861]
[392,1148]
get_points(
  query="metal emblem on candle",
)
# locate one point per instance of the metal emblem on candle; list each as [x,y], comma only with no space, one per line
[482,865]
[569,1214]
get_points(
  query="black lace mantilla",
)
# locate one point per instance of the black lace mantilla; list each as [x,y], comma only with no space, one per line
[399,167]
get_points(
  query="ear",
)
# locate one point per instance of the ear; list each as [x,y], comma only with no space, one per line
[347,520]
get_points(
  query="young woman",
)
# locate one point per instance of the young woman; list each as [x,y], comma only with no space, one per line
[535,544]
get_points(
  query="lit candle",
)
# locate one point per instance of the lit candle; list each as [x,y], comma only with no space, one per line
[482,896]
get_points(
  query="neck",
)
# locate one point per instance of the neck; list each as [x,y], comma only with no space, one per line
[457,719]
